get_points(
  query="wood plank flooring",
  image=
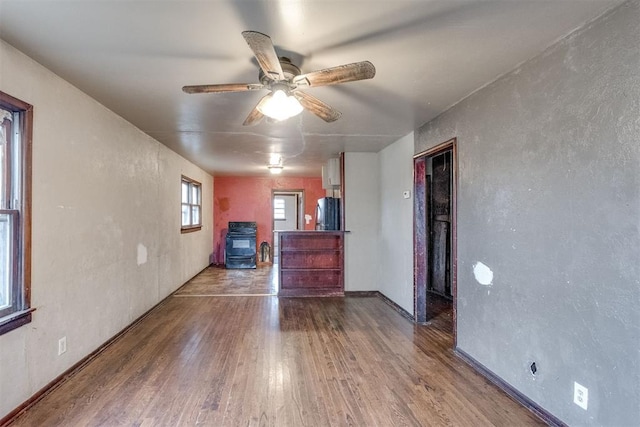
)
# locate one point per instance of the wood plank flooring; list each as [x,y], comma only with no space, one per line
[217,280]
[236,360]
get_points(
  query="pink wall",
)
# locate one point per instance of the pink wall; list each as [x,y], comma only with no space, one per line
[242,198]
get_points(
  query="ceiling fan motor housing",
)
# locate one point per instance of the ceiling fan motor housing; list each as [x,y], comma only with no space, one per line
[289,70]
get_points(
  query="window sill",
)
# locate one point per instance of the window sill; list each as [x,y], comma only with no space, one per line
[190,229]
[15,320]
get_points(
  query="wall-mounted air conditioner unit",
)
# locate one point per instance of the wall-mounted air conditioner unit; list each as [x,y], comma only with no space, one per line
[331,174]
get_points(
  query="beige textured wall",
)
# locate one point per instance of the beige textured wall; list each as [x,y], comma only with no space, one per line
[549,200]
[106,227]
[395,269]
[362,218]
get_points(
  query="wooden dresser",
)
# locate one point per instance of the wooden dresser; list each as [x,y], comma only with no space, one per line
[311,263]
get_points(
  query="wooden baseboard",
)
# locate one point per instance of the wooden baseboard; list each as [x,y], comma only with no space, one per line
[361,294]
[60,379]
[309,292]
[396,307]
[383,297]
[512,392]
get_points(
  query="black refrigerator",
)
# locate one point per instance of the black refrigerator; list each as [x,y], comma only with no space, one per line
[328,214]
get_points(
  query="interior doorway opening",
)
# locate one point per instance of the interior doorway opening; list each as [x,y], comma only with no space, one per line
[287,214]
[435,234]
[439,178]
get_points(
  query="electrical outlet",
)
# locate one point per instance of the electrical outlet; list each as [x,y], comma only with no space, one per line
[62,345]
[580,395]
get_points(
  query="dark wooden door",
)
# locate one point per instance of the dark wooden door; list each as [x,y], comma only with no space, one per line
[439,177]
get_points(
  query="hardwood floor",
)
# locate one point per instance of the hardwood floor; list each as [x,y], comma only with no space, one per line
[217,280]
[232,360]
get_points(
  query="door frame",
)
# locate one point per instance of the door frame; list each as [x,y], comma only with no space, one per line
[420,240]
[299,207]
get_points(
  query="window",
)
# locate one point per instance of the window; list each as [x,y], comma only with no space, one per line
[191,205]
[15,212]
[278,209]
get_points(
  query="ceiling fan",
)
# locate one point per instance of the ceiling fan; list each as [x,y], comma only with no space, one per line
[284,81]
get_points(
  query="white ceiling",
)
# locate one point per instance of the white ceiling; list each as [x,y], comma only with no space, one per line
[135,56]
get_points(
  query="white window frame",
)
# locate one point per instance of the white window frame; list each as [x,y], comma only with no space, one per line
[190,205]
[16,121]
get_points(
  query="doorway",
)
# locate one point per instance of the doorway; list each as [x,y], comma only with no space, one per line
[287,214]
[435,174]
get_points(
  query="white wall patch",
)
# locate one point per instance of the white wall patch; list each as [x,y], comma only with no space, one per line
[142,254]
[483,274]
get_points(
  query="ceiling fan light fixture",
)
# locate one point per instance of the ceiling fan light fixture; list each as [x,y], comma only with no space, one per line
[282,78]
[280,106]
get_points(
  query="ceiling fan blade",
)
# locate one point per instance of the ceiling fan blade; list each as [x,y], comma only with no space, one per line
[255,116]
[334,75]
[317,107]
[265,53]
[232,87]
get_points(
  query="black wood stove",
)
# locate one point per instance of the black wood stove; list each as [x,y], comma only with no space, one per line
[240,251]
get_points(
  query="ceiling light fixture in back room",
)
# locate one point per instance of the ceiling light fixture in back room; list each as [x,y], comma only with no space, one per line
[275,169]
[284,80]
[275,164]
